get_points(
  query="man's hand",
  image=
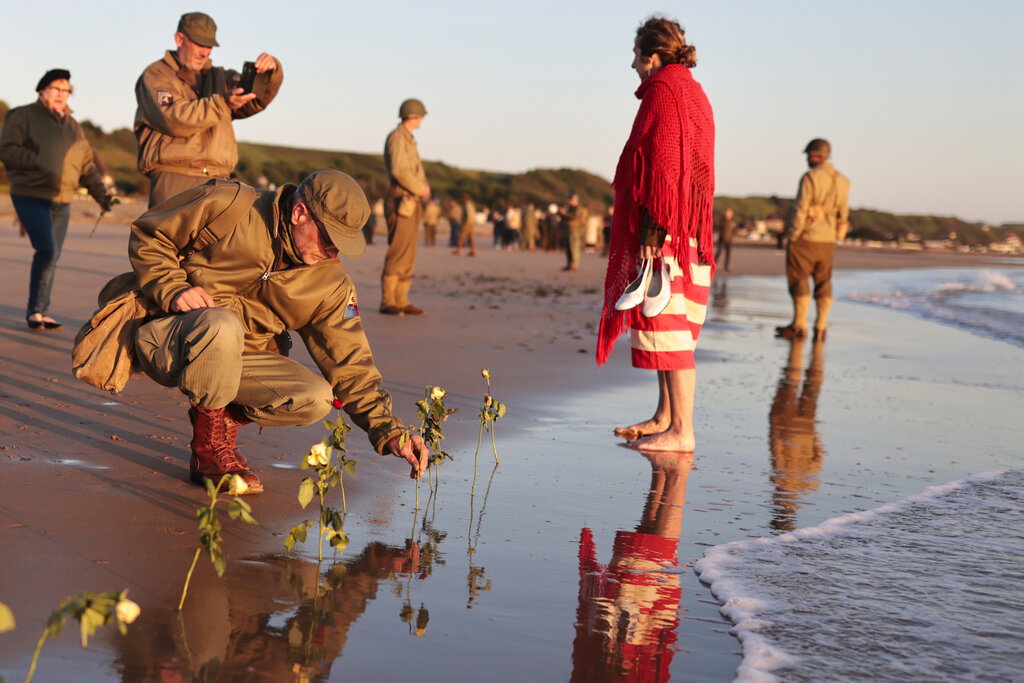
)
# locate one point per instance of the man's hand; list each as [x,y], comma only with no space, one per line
[426,192]
[414,450]
[238,98]
[265,63]
[191,299]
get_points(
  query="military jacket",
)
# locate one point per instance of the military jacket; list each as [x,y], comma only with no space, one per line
[402,160]
[183,120]
[238,271]
[820,213]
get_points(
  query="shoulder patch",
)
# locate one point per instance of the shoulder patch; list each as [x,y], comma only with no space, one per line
[164,98]
[352,310]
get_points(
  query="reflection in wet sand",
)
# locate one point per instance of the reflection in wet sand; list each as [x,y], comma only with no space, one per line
[629,610]
[277,619]
[796,448]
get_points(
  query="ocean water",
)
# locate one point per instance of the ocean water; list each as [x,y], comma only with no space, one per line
[925,589]
[988,302]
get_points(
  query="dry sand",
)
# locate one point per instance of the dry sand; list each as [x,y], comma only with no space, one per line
[92,492]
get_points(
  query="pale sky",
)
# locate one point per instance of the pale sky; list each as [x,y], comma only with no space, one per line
[923,101]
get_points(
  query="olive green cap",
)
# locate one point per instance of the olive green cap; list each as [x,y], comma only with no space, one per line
[338,203]
[819,147]
[410,108]
[200,28]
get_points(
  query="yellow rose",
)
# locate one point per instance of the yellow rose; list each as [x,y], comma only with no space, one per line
[237,486]
[486,374]
[437,393]
[318,456]
[127,611]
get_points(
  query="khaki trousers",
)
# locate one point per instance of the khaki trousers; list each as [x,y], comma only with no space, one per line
[400,258]
[201,353]
[810,260]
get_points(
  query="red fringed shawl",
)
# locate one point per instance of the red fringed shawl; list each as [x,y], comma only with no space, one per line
[667,169]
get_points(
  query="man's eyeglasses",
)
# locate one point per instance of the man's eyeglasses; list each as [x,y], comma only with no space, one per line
[64,91]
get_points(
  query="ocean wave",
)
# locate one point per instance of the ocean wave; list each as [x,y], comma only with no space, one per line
[989,303]
[926,588]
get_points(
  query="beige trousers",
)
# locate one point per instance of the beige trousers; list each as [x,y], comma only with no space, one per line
[396,280]
[201,353]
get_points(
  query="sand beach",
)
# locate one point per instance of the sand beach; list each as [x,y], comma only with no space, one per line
[485,581]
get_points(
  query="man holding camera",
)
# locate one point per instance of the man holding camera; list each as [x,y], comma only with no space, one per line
[186,107]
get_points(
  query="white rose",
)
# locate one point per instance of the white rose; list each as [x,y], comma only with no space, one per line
[437,393]
[127,611]
[237,486]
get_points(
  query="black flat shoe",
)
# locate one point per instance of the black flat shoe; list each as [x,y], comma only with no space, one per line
[45,324]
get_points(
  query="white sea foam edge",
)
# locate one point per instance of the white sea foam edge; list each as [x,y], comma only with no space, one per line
[742,606]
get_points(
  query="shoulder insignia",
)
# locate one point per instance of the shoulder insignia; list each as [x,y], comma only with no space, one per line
[164,98]
[352,310]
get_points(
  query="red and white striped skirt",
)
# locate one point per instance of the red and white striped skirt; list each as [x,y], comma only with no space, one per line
[667,341]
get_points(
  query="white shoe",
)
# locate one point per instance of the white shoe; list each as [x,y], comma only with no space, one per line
[634,294]
[659,291]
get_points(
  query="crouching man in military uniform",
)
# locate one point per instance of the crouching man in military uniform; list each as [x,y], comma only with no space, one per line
[275,270]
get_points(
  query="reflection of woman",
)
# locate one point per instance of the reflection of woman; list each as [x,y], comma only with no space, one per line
[47,158]
[664,190]
[629,611]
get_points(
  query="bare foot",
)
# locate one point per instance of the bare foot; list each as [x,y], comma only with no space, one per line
[640,429]
[667,440]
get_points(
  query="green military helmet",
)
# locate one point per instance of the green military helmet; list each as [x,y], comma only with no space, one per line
[410,108]
[819,147]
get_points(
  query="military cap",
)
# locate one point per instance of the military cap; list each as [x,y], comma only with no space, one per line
[337,202]
[200,28]
[819,147]
[412,107]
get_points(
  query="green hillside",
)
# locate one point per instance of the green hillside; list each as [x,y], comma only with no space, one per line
[281,164]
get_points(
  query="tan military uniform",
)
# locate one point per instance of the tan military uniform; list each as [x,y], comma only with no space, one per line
[184,124]
[575,219]
[467,232]
[431,217]
[820,218]
[48,157]
[226,354]
[402,212]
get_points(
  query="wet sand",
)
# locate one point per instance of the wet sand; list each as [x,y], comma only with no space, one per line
[92,492]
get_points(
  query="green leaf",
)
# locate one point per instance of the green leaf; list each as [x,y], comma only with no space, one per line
[211,488]
[219,563]
[6,618]
[501,410]
[55,623]
[90,620]
[340,541]
[305,492]
[247,518]
[350,467]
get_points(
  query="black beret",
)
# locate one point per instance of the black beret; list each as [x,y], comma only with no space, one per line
[51,76]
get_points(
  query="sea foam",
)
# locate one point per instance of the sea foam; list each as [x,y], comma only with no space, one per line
[927,588]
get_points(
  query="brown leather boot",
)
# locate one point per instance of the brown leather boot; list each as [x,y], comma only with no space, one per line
[213,452]
[234,417]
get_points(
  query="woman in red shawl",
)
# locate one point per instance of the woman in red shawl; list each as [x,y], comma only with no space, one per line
[664,190]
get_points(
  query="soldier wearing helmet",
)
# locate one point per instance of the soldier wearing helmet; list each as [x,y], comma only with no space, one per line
[403,210]
[819,219]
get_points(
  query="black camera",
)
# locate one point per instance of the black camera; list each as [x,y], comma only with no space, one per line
[253,82]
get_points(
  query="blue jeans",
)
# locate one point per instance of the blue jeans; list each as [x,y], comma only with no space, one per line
[46,223]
